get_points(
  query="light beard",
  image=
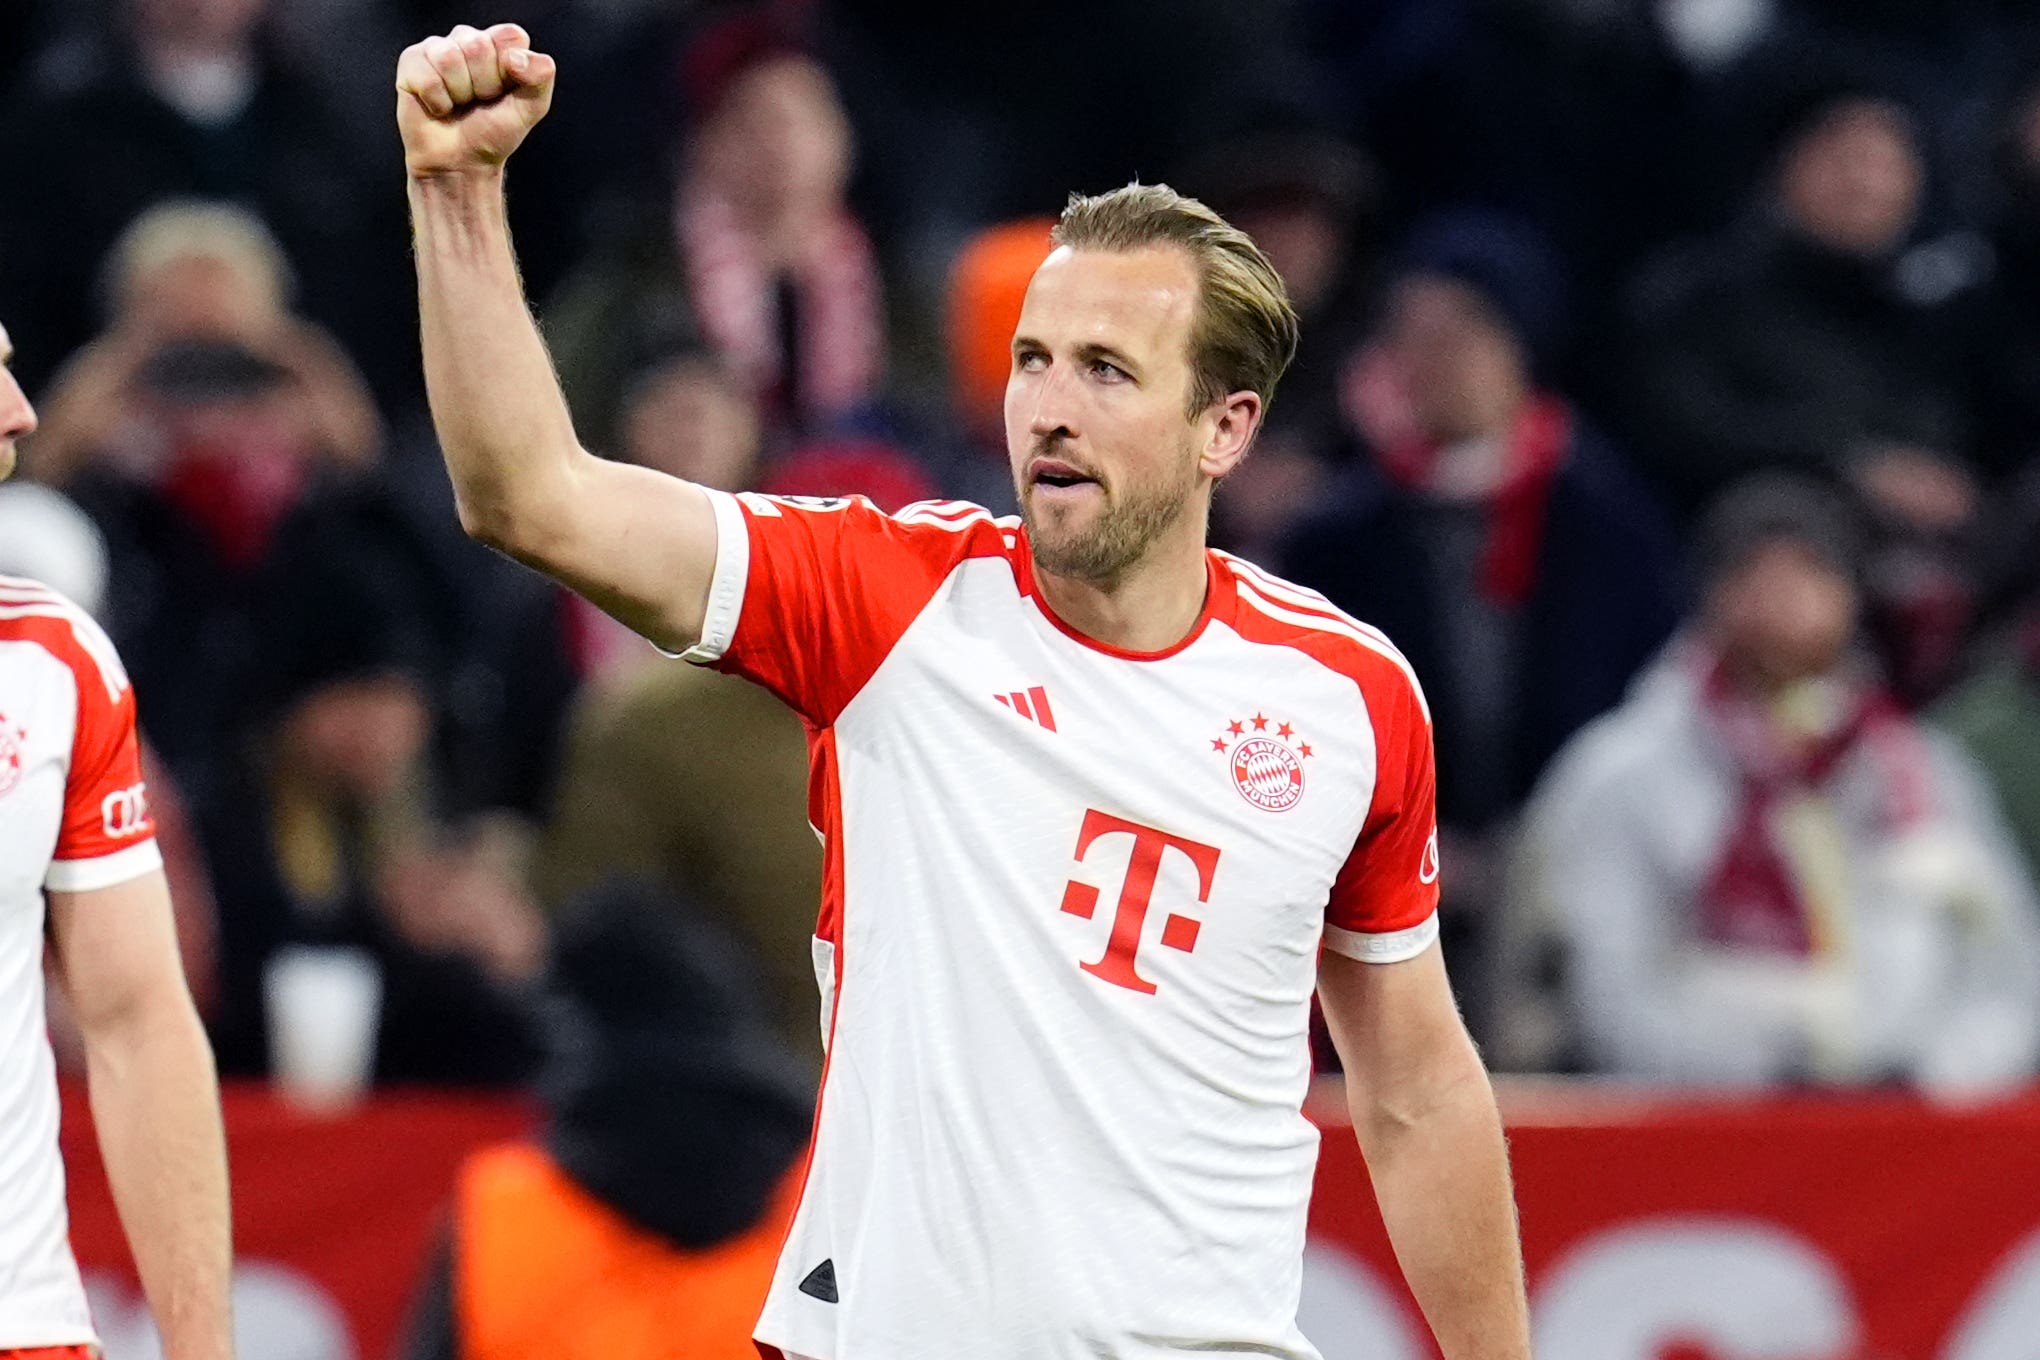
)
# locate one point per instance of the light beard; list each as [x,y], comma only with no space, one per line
[1128,526]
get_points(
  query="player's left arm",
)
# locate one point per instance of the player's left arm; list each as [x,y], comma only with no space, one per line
[1425,1115]
[155,1103]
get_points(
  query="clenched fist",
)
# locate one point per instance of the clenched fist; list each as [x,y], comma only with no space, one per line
[465,101]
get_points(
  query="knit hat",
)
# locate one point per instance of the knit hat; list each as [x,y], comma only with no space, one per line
[723,52]
[1767,507]
[354,590]
[1505,260]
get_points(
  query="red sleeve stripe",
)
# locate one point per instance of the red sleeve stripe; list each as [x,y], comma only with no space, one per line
[1251,596]
[1299,597]
[87,634]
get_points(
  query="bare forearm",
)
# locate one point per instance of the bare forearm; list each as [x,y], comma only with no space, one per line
[155,1102]
[1442,1181]
[502,422]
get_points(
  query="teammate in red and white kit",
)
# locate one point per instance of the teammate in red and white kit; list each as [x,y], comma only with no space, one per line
[75,834]
[1101,807]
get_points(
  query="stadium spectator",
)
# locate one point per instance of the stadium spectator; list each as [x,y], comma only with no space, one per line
[1760,870]
[638,795]
[180,98]
[1796,338]
[646,1217]
[756,250]
[1921,571]
[699,782]
[2005,329]
[1995,714]
[188,431]
[884,474]
[1491,531]
[684,414]
[1310,200]
[1995,711]
[332,833]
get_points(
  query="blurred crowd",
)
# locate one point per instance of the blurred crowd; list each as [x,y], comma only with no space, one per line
[1669,391]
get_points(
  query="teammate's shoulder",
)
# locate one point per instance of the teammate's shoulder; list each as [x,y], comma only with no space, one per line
[1276,612]
[32,612]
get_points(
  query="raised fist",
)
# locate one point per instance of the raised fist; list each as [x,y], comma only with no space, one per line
[465,101]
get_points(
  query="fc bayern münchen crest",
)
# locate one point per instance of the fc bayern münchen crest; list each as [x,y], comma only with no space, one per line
[11,738]
[1266,766]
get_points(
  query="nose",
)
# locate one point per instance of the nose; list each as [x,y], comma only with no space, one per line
[1054,404]
[17,417]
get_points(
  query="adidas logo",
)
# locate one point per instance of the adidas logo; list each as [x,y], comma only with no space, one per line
[821,1282]
[1033,705]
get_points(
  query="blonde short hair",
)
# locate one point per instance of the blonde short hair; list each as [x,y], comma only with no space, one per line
[1245,332]
[186,228]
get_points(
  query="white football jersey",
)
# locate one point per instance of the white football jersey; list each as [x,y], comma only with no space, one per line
[1073,904]
[73,818]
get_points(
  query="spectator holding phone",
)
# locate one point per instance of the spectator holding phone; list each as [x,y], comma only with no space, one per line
[189,430]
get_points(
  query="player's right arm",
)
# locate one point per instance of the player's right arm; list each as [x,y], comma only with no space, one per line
[640,544]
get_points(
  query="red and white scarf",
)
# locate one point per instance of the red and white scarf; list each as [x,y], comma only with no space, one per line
[1751,897]
[1534,451]
[842,345]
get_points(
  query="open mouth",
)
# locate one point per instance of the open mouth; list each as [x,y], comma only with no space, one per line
[1053,472]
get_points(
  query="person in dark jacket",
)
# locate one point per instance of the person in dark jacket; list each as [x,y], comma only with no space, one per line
[645,1218]
[1810,332]
[335,830]
[190,99]
[1492,532]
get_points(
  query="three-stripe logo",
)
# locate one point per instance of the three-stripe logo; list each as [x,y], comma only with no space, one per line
[1032,705]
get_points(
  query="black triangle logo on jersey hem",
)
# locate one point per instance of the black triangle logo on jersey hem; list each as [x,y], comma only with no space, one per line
[821,1282]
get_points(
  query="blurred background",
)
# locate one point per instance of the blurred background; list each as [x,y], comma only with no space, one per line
[1669,390]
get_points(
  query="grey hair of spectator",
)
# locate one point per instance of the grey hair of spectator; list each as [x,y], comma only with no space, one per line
[1768,507]
[187,228]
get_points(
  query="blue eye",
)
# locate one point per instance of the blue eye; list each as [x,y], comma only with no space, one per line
[1030,361]
[1110,372]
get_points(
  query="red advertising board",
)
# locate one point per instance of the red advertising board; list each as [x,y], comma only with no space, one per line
[1792,1229]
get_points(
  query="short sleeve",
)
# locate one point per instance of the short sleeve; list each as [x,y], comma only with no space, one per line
[811,595]
[107,836]
[1384,903]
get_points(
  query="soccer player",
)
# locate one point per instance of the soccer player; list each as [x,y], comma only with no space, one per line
[1100,806]
[75,830]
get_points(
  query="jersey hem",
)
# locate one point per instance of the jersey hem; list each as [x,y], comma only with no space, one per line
[1391,946]
[103,871]
[777,1344]
[726,587]
[10,1341]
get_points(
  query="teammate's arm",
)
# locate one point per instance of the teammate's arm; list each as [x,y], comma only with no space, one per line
[1425,1116]
[639,544]
[155,1103]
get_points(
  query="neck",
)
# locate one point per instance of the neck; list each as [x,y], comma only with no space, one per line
[1150,606]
